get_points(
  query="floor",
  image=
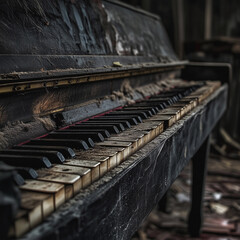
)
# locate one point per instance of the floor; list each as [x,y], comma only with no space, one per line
[221,205]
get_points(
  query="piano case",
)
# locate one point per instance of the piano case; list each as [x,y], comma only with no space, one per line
[64,61]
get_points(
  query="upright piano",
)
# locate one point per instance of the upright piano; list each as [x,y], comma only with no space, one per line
[97,120]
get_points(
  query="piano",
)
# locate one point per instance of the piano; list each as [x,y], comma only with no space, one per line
[98,118]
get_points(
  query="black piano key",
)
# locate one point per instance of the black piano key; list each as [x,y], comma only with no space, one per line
[26,173]
[163,105]
[19,180]
[72,143]
[125,124]
[160,106]
[154,110]
[67,152]
[92,123]
[175,99]
[110,128]
[143,115]
[21,172]
[179,96]
[146,113]
[183,89]
[53,156]
[150,111]
[166,95]
[167,101]
[172,93]
[171,101]
[113,119]
[138,118]
[132,119]
[157,100]
[104,132]
[98,137]
[25,161]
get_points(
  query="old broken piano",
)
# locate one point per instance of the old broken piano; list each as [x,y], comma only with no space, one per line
[96,120]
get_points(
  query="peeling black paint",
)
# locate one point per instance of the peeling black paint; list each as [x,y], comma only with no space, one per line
[51,27]
[56,34]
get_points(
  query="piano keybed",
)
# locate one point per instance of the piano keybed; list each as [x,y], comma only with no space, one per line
[57,166]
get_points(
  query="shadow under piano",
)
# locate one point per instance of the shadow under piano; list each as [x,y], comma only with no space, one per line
[98,118]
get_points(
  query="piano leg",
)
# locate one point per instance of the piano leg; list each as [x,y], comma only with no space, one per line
[163,203]
[199,167]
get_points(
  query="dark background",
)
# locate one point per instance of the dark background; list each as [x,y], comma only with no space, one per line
[186,21]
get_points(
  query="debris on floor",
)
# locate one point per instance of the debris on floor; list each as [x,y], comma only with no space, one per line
[221,206]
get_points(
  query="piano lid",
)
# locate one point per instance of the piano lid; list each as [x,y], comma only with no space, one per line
[43,39]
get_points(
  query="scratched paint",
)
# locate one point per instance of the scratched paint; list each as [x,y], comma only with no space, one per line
[53,33]
[137,34]
[51,27]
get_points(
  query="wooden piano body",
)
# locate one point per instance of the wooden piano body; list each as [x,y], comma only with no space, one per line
[68,61]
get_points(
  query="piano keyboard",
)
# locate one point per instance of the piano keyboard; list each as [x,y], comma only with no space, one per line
[55,167]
